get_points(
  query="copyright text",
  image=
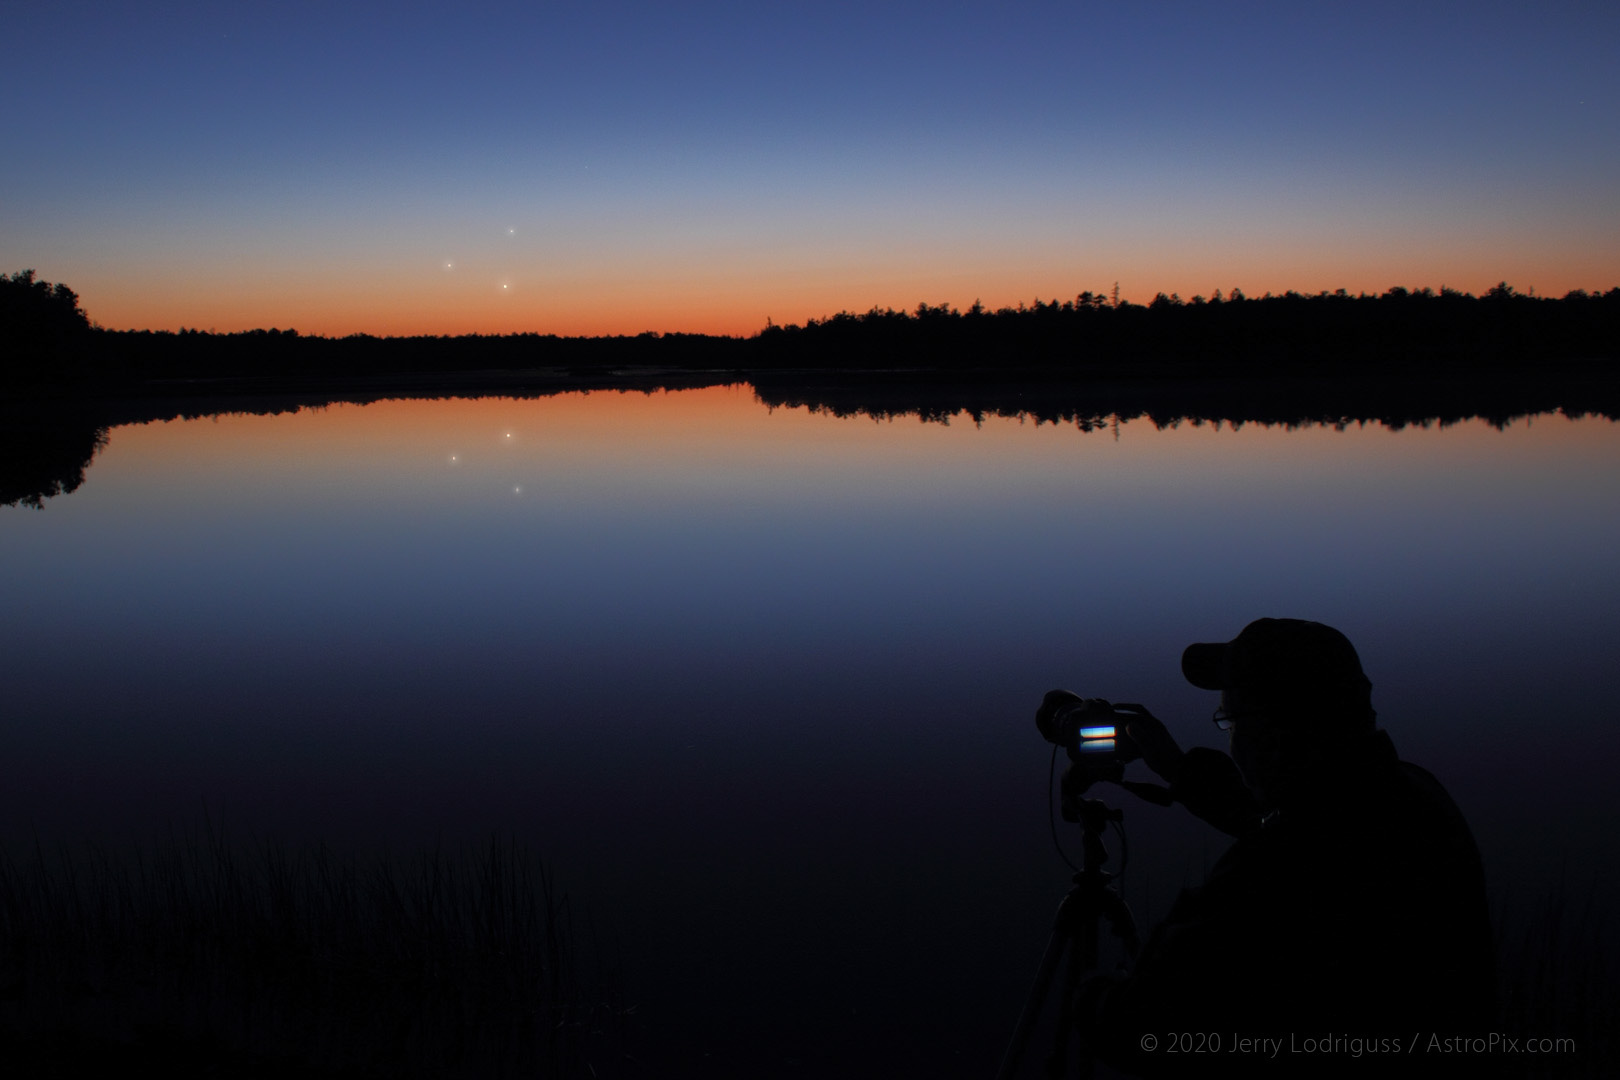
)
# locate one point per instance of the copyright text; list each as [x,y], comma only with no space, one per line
[1342,1044]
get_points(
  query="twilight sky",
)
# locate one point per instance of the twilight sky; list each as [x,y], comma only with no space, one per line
[613,167]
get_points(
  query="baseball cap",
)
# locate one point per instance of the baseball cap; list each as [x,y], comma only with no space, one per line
[1275,657]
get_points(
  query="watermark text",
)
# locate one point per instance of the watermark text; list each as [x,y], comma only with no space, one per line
[1274,1045]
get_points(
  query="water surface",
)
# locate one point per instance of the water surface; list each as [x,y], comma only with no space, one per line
[759,682]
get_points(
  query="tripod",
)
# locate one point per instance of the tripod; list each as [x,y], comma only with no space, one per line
[1074,934]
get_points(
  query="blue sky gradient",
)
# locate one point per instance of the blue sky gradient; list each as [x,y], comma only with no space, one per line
[616,167]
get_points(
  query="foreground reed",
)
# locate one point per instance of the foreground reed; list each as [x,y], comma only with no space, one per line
[1560,979]
[194,954]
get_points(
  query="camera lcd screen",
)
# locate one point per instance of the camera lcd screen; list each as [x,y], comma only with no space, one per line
[1097,740]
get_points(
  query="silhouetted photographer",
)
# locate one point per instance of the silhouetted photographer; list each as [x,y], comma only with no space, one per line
[1351,908]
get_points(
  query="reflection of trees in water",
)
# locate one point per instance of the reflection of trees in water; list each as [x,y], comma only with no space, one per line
[1499,399]
[42,460]
[47,444]
[45,451]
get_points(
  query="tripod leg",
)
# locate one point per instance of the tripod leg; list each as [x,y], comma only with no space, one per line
[1082,959]
[1056,946]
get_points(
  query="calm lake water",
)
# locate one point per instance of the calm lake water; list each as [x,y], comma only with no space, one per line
[759,682]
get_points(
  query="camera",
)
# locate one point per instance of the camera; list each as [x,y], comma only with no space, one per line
[1092,731]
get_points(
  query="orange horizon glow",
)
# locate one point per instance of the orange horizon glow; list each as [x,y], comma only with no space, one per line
[451,183]
[408,308]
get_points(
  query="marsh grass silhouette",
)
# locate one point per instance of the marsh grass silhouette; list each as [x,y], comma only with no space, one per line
[1559,976]
[196,953]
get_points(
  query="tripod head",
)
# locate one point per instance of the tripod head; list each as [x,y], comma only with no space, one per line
[1093,816]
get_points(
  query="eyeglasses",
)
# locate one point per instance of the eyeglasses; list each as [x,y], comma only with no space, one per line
[1224,719]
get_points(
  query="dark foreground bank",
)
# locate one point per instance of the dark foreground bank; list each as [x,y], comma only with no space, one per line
[196,956]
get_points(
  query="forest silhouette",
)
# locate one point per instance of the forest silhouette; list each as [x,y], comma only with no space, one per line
[50,341]
[1401,358]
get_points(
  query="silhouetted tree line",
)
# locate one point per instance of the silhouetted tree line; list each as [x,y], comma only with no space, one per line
[44,334]
[1095,334]
[133,356]
[48,340]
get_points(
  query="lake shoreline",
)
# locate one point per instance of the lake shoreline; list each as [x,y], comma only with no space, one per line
[1576,386]
[50,435]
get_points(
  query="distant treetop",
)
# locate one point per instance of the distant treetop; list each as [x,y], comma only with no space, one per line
[25,300]
[43,330]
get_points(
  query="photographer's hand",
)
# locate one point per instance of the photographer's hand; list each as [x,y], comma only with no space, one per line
[1159,748]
